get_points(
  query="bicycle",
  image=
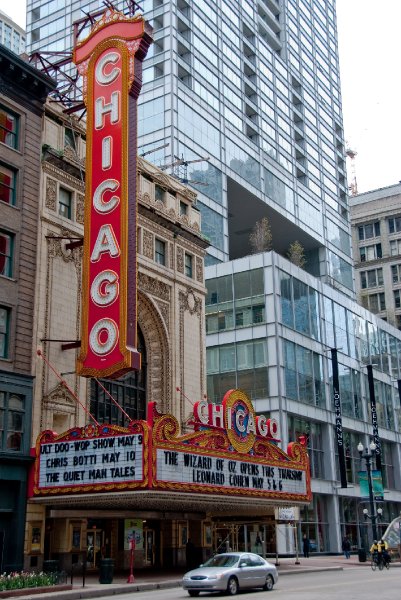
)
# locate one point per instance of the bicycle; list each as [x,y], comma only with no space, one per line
[378,560]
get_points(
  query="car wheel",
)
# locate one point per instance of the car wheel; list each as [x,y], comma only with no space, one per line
[193,593]
[232,586]
[269,583]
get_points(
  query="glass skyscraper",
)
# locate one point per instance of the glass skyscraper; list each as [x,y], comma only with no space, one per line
[252,88]
[12,36]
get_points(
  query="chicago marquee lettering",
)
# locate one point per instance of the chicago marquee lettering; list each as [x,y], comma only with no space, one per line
[241,418]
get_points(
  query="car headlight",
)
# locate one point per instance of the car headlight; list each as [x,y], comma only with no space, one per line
[214,576]
[186,578]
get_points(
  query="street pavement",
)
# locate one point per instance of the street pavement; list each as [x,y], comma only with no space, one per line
[154,580]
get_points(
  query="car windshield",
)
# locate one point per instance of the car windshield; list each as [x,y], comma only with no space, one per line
[222,560]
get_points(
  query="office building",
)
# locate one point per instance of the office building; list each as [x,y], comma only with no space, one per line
[12,36]
[376,233]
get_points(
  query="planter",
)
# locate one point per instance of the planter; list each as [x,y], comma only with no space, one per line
[30,591]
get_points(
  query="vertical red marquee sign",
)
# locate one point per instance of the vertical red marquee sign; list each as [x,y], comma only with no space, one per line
[110,62]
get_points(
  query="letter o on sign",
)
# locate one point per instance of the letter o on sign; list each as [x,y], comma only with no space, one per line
[103,337]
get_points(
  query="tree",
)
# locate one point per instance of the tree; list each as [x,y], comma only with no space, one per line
[296,254]
[261,236]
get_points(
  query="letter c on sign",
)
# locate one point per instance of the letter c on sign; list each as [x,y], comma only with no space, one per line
[100,205]
[103,337]
[101,76]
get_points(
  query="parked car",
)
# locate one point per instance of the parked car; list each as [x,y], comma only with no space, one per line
[231,572]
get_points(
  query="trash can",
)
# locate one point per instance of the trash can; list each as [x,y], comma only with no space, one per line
[50,566]
[106,570]
[362,555]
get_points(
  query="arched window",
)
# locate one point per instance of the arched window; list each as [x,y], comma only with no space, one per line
[129,391]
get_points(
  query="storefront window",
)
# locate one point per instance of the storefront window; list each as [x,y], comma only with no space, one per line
[313,524]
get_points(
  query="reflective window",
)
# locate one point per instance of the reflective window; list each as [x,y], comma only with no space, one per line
[200,129]
[395,248]
[303,374]
[6,253]
[7,184]
[242,365]
[160,252]
[278,191]
[65,203]
[340,270]
[4,331]
[188,265]
[150,116]
[372,278]
[12,417]
[394,225]
[129,391]
[212,225]
[339,237]
[368,231]
[241,163]
[372,252]
[396,273]
[248,307]
[374,302]
[314,440]
[9,126]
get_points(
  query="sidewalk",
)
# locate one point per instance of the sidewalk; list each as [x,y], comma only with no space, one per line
[151,580]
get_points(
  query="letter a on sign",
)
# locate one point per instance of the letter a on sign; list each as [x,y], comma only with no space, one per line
[109,62]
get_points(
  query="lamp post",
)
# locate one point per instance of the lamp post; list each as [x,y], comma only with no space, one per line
[368,454]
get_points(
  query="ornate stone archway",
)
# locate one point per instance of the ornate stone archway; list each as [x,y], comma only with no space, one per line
[153,319]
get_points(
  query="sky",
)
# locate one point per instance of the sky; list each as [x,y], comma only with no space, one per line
[370,61]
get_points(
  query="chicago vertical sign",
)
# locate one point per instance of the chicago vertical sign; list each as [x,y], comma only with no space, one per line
[109,60]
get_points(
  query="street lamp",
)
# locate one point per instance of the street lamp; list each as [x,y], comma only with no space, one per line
[368,454]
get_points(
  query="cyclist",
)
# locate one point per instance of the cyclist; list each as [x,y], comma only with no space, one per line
[374,551]
[382,548]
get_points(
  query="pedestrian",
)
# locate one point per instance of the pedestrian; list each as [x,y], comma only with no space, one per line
[346,547]
[305,546]
[189,553]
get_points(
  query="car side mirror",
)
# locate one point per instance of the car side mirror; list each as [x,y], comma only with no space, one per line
[242,563]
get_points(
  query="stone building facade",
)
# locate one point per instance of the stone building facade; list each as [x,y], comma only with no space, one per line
[376,239]
[171,291]
[23,90]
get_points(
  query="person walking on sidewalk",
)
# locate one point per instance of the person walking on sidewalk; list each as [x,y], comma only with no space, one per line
[305,546]
[346,547]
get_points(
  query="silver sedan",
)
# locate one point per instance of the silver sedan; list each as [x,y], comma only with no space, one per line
[229,573]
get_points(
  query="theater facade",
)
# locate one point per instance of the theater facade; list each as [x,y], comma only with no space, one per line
[218,485]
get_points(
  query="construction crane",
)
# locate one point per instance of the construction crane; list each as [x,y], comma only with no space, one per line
[353,186]
[181,163]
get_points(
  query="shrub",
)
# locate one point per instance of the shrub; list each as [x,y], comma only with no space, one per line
[19,581]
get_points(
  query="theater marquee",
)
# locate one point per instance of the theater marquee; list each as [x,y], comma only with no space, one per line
[230,452]
[109,60]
